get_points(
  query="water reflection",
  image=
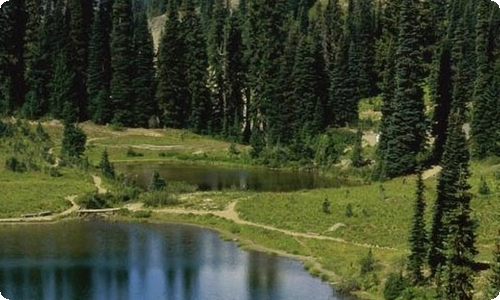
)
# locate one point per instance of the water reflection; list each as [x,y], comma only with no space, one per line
[219,178]
[105,261]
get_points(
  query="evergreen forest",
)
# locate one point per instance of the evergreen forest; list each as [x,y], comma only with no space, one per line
[283,76]
[278,75]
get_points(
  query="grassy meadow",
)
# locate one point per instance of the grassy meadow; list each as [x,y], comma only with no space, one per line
[368,216]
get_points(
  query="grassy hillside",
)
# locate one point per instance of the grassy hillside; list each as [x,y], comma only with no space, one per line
[373,216]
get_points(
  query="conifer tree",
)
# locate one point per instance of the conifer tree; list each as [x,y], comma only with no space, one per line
[78,47]
[263,39]
[362,55]
[441,95]
[62,87]
[418,235]
[122,63]
[107,169]
[303,85]
[38,76]
[144,79]
[458,273]
[386,63]
[235,78]
[217,51]
[407,120]
[157,182]
[494,276]
[13,18]
[73,141]
[484,117]
[455,163]
[171,93]
[99,69]
[196,71]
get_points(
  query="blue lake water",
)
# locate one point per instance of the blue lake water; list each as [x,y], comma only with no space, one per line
[97,260]
[210,178]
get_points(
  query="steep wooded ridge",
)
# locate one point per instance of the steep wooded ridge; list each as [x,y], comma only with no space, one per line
[289,78]
[278,75]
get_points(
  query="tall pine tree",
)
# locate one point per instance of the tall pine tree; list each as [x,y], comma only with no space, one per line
[407,121]
[99,69]
[418,235]
[171,93]
[144,79]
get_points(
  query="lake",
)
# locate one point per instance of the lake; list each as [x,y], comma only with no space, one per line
[209,178]
[98,260]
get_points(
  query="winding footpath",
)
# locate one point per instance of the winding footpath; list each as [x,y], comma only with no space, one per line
[51,218]
[231,214]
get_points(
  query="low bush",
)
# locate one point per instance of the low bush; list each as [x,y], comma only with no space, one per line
[158,198]
[132,153]
[394,286]
[94,200]
[14,165]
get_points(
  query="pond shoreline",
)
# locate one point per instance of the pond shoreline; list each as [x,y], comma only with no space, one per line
[310,264]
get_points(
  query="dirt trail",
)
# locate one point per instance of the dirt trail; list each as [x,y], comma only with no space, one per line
[74,207]
[231,214]
[433,171]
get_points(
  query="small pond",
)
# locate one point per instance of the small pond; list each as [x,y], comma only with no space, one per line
[208,177]
[116,261]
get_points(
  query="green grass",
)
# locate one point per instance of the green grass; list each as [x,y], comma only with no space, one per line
[35,192]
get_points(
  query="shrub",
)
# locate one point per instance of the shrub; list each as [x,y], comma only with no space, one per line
[158,198]
[484,189]
[94,200]
[132,153]
[233,150]
[349,286]
[367,263]
[394,286]
[348,210]
[13,164]
[326,206]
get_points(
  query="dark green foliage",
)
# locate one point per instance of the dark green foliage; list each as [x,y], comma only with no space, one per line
[144,79]
[122,63]
[406,126]
[494,276]
[99,69]
[107,169]
[37,76]
[394,286]
[326,206]
[14,165]
[196,72]
[484,189]
[62,88]
[455,164]
[6,130]
[13,19]
[458,274]
[80,20]
[348,210]
[157,182]
[73,142]
[95,201]
[362,51]
[217,53]
[418,236]
[357,151]
[441,88]
[171,94]
[367,264]
[263,40]
[132,153]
